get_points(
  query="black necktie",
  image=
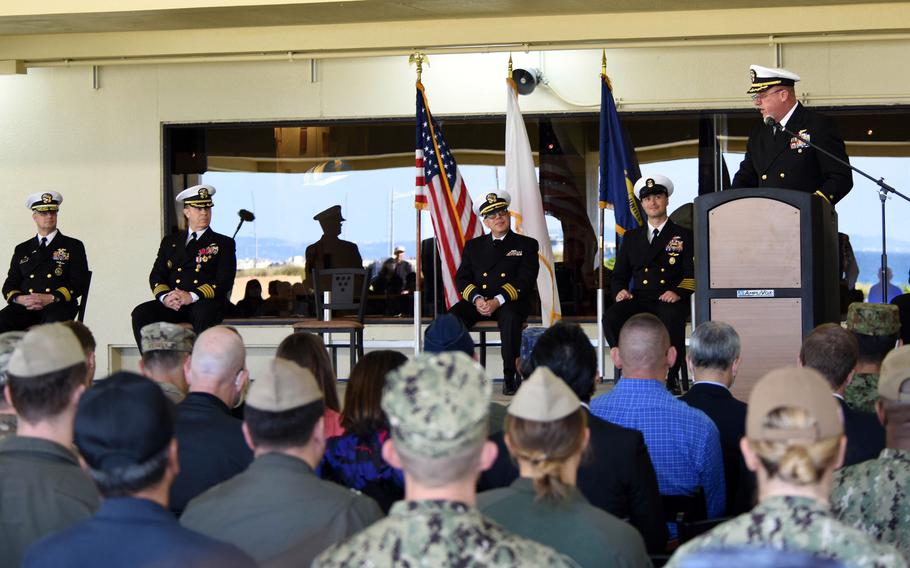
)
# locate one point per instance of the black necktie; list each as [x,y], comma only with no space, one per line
[654,234]
[497,242]
[192,242]
[43,245]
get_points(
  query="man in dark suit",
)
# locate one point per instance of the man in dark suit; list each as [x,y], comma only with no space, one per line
[777,159]
[617,475]
[496,278]
[125,433]
[657,259]
[713,360]
[194,271]
[833,351]
[47,272]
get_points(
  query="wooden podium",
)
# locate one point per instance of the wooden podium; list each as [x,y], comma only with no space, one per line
[767,264]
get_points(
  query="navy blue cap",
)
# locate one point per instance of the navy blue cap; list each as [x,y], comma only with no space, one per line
[123,420]
[447,333]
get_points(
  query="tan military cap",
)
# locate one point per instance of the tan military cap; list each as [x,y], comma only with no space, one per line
[45,349]
[163,336]
[283,386]
[895,370]
[544,397]
[798,387]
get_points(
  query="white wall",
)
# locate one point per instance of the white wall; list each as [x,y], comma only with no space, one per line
[102,149]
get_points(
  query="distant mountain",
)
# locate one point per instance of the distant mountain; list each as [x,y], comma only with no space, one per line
[874,243]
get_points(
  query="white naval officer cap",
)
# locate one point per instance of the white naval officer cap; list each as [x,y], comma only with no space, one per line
[493,202]
[44,201]
[652,185]
[764,78]
[197,196]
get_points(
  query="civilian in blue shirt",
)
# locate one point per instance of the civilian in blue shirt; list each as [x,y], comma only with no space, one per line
[683,442]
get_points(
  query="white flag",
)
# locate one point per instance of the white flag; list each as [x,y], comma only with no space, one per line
[527,208]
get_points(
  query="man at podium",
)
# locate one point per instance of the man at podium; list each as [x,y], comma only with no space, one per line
[777,159]
[657,260]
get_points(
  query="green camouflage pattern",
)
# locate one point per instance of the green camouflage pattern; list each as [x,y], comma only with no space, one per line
[873,319]
[437,404]
[796,524]
[163,336]
[172,392]
[874,497]
[8,342]
[862,392]
[438,533]
[8,425]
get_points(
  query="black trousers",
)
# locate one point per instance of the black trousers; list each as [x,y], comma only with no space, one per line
[672,315]
[202,313]
[16,318]
[510,316]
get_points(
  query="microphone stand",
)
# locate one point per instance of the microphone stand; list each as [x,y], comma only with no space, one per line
[883,190]
[237,230]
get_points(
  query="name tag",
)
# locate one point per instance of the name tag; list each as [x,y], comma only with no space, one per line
[514,252]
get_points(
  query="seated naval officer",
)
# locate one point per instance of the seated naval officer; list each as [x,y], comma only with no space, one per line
[47,272]
[194,271]
[657,259]
[778,160]
[496,278]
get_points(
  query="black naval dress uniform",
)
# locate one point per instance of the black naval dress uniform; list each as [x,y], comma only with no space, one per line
[59,268]
[205,267]
[666,263]
[492,267]
[783,161]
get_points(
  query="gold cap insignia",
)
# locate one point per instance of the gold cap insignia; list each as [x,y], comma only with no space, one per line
[491,198]
[752,75]
[203,193]
[47,198]
[650,182]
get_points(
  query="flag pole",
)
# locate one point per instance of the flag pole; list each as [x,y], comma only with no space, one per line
[418,59]
[601,362]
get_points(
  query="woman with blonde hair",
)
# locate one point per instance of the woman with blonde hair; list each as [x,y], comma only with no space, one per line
[546,432]
[794,441]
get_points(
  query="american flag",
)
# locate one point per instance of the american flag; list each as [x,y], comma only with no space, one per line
[441,189]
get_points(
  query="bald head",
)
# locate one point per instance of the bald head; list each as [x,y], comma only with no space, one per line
[218,356]
[644,348]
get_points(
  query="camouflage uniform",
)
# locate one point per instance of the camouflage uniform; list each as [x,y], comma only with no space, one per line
[164,336]
[8,341]
[437,407]
[873,497]
[796,524]
[876,320]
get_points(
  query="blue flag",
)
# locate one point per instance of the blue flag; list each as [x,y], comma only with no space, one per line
[618,166]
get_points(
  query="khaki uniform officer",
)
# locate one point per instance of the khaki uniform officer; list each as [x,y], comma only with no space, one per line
[194,271]
[47,272]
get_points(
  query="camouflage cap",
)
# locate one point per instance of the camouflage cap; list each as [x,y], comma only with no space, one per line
[8,343]
[894,374]
[873,319]
[437,404]
[163,336]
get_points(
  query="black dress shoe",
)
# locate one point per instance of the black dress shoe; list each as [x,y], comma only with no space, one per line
[510,385]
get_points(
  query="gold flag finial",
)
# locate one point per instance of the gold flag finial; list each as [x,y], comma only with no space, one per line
[603,69]
[510,66]
[419,59]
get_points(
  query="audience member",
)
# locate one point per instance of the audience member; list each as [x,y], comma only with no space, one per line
[873,496]
[8,419]
[355,458]
[903,304]
[447,333]
[278,502]
[876,328]
[42,488]
[437,408]
[833,351]
[891,291]
[683,442]
[547,434]
[616,475]
[87,341]
[713,360]
[125,432]
[166,350]
[308,351]
[794,441]
[250,306]
[212,448]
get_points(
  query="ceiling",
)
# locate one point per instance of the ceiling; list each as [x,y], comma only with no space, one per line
[20,17]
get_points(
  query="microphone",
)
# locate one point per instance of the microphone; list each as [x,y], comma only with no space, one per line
[769,120]
[244,216]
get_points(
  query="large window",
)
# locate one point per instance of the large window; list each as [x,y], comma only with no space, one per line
[287,173]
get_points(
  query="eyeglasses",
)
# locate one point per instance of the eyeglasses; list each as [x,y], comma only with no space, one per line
[498,214]
[761,96]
